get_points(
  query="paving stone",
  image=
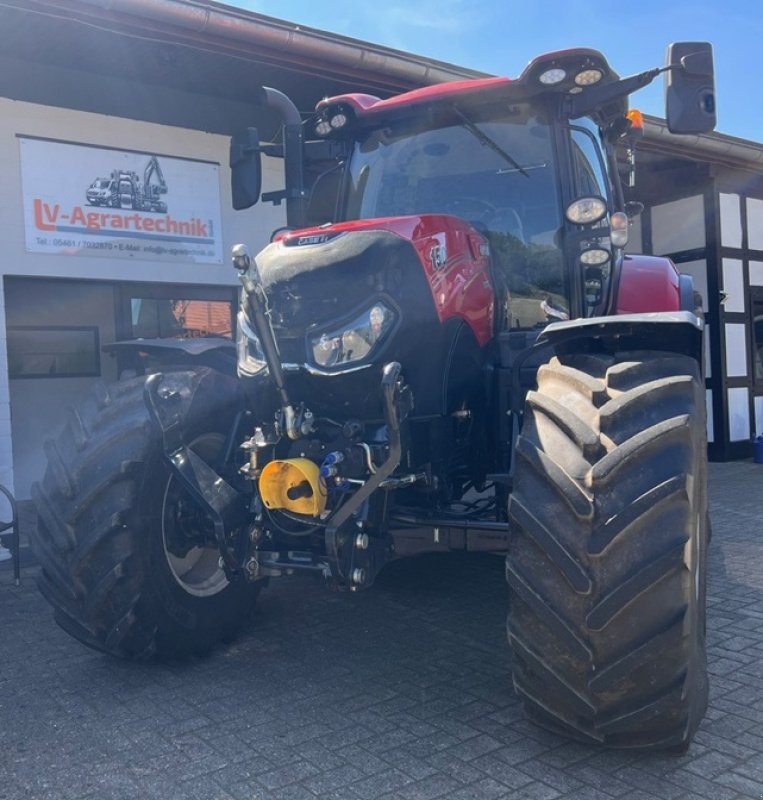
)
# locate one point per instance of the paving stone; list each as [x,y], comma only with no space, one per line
[590,793]
[711,764]
[407,760]
[291,773]
[474,747]
[385,782]
[644,781]
[444,764]
[501,771]
[401,693]
[700,787]
[429,788]
[486,789]
[600,780]
[752,767]
[534,791]
[560,779]
[324,782]
[741,784]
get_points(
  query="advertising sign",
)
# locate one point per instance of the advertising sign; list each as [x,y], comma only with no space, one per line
[92,201]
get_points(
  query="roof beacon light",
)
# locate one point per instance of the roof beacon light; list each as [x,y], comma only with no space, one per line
[636,118]
[588,77]
[552,76]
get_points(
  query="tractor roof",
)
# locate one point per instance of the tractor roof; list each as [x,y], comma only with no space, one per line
[559,72]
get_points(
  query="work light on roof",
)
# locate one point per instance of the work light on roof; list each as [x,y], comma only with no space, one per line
[338,120]
[552,76]
[587,77]
[323,127]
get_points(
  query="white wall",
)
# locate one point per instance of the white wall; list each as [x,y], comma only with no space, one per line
[678,225]
[38,405]
[38,402]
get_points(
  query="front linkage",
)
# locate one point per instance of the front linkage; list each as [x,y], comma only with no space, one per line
[351,557]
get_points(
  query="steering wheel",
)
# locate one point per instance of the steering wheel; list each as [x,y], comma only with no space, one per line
[472,209]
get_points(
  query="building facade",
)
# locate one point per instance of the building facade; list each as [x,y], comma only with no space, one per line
[115,208]
[704,209]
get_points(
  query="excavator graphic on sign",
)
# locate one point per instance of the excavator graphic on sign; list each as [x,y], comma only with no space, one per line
[123,189]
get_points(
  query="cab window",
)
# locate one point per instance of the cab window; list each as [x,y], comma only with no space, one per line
[589,174]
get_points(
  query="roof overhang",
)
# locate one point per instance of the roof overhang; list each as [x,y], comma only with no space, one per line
[715,148]
[189,63]
[198,63]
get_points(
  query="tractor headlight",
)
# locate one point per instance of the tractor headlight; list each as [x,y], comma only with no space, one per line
[251,359]
[586,210]
[353,340]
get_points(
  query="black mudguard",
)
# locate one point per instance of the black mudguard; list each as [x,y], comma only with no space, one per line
[155,354]
[669,331]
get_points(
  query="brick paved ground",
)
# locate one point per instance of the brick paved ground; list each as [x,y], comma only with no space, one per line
[402,692]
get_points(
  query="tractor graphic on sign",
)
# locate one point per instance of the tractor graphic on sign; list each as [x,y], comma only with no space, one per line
[124,189]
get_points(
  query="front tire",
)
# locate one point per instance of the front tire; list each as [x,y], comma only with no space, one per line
[607,552]
[126,557]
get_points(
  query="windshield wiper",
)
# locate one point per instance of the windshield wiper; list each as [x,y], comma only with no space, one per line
[484,139]
[523,170]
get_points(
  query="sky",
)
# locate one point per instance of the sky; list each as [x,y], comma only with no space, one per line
[501,36]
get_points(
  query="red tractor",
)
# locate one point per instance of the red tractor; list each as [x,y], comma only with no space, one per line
[447,349]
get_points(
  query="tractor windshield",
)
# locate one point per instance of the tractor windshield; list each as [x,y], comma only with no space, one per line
[495,169]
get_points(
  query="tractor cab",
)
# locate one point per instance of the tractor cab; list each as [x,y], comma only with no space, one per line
[530,163]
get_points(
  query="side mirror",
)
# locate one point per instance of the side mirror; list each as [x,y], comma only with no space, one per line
[245,169]
[689,88]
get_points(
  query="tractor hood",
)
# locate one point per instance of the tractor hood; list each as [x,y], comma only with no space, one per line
[429,266]
[346,299]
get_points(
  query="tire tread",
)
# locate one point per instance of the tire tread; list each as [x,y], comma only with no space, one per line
[623,662]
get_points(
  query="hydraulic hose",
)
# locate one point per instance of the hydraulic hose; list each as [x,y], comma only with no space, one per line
[257,301]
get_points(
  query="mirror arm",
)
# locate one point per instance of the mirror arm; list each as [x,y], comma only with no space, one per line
[580,104]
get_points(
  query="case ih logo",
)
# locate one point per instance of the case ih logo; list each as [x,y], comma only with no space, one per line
[318,238]
[311,238]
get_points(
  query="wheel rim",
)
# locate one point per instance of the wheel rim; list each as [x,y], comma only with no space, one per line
[197,570]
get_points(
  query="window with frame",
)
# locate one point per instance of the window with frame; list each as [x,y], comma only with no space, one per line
[53,351]
[590,175]
[756,329]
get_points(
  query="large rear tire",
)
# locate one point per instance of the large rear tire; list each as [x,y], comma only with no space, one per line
[607,552]
[127,561]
